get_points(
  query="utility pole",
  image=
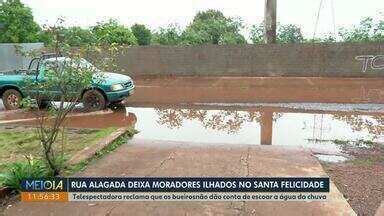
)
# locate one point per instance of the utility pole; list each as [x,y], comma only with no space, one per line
[270,21]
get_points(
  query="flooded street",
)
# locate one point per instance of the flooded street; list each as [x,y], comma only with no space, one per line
[317,131]
[314,113]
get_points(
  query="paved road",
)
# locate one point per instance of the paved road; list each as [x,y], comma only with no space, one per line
[159,158]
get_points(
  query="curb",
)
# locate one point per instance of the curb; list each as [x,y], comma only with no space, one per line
[90,151]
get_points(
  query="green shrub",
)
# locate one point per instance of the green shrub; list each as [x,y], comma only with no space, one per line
[170,35]
[111,32]
[142,34]
[16,23]
[30,169]
[212,27]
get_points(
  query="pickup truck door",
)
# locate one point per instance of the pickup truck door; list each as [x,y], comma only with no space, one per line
[32,73]
[53,91]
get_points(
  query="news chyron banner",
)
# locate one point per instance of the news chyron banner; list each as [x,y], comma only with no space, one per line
[175,189]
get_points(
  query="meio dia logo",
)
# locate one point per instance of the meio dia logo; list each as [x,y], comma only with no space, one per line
[43,185]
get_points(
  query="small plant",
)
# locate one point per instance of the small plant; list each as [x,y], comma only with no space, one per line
[28,104]
[67,75]
[31,168]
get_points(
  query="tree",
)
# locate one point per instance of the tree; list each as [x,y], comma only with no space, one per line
[142,34]
[213,27]
[289,34]
[111,32]
[285,34]
[257,34]
[73,36]
[17,24]
[170,35]
[326,38]
[77,36]
[369,30]
[70,75]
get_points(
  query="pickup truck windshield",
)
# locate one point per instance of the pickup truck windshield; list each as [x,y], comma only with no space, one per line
[67,62]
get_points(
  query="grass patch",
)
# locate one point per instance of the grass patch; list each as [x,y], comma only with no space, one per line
[70,170]
[19,142]
[35,168]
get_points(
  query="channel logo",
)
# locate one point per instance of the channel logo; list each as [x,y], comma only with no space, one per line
[52,185]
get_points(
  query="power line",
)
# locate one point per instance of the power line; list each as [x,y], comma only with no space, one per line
[317,19]
[333,18]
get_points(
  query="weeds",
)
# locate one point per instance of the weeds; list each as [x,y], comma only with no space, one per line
[18,171]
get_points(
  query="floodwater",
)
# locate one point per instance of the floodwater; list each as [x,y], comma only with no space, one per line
[314,129]
[317,131]
[310,112]
[331,158]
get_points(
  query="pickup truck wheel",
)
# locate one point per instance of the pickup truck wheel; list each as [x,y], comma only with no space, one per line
[12,99]
[94,100]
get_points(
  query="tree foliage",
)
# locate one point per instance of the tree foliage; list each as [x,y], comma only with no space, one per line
[289,34]
[212,27]
[257,34]
[111,32]
[142,34]
[369,30]
[170,35]
[207,27]
[73,36]
[325,38]
[77,36]
[285,34]
[17,24]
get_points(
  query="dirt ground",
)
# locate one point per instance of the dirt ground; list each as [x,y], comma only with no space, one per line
[361,179]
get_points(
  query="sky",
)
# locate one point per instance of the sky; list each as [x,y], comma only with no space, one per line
[157,13]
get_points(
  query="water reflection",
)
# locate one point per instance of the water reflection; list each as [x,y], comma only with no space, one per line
[229,121]
[373,124]
[275,126]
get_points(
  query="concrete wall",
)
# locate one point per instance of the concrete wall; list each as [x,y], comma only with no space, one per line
[313,60]
[10,59]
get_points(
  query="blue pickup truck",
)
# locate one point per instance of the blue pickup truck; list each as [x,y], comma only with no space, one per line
[113,89]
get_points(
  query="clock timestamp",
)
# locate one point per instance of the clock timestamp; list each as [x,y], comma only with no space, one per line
[44,196]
